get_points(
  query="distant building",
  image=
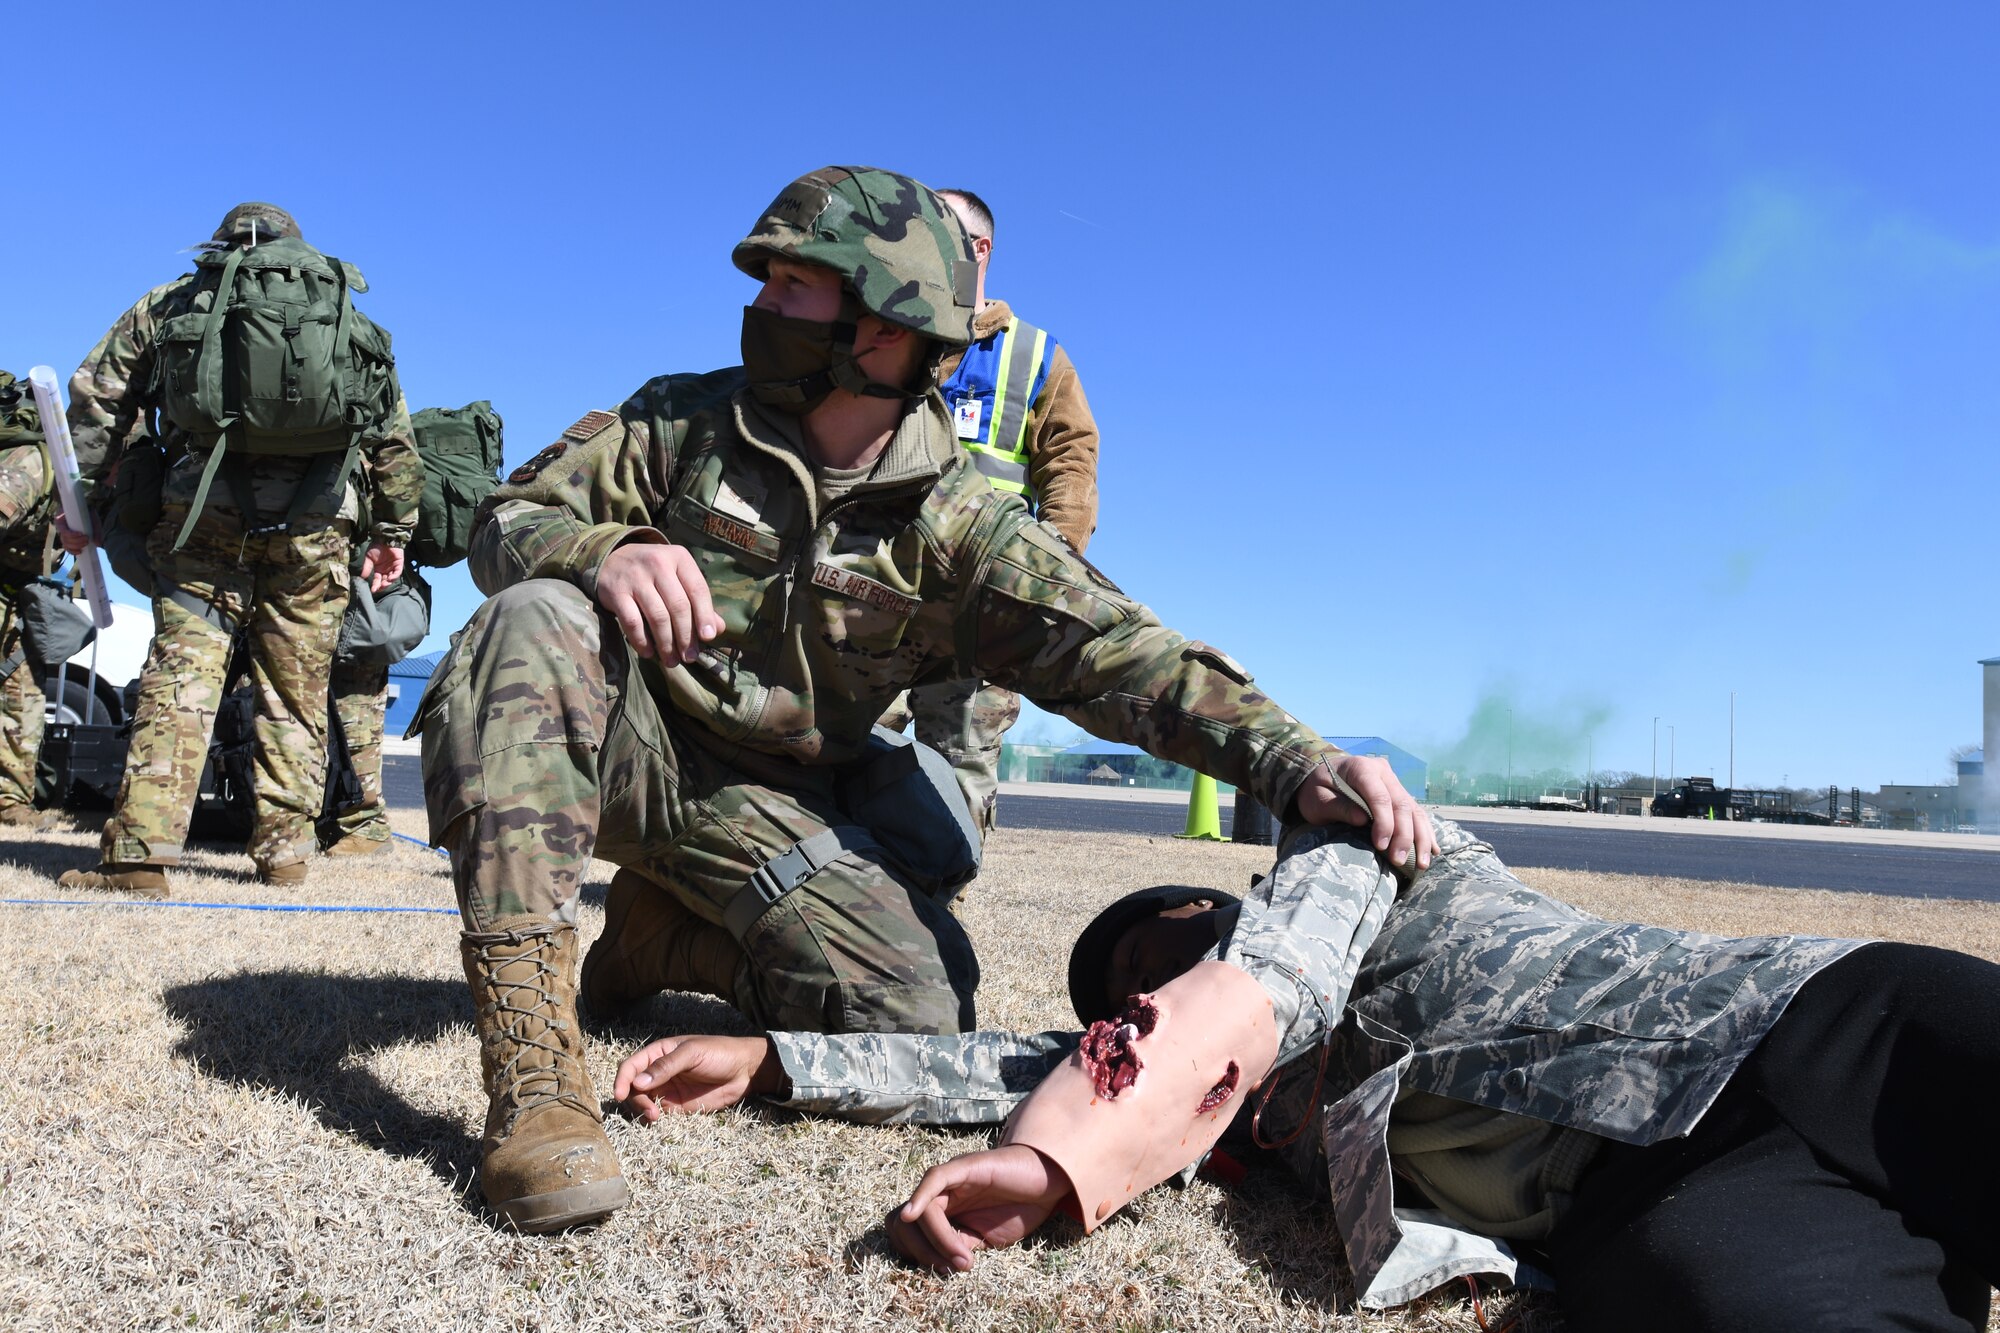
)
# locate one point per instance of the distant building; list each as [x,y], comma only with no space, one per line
[407,679]
[1414,772]
[1988,816]
[1110,763]
[1133,767]
[1931,809]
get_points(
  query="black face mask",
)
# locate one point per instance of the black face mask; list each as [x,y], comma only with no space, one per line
[790,362]
[793,364]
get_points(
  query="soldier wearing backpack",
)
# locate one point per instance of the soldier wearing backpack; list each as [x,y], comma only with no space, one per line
[461,451]
[224,416]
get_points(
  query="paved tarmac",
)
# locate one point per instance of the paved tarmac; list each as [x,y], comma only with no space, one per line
[1617,848]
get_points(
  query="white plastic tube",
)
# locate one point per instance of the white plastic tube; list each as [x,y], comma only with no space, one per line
[62,454]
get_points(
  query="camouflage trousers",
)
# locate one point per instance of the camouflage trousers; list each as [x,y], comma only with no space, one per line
[21,703]
[544,744]
[360,698]
[963,720]
[287,591]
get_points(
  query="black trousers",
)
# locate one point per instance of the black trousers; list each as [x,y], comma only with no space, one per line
[1847,1178]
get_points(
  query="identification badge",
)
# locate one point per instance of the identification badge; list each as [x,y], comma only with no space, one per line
[966,413]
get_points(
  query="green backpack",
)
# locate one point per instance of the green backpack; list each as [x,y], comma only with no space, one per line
[461,453]
[20,423]
[281,362]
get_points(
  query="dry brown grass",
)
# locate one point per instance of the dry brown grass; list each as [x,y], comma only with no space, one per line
[261,1121]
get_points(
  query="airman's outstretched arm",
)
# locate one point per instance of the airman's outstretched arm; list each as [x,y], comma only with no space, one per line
[976,1201]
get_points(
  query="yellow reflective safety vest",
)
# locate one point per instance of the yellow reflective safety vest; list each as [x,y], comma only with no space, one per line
[990,395]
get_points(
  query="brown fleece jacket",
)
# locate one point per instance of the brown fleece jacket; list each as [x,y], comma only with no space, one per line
[1062,453]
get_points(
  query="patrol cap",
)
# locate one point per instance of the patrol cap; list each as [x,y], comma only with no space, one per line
[272,223]
[900,249]
[1090,956]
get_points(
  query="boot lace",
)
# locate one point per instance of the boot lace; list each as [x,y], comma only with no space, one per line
[530,1087]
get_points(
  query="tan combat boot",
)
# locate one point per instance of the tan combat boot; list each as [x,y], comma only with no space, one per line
[286,875]
[652,943]
[545,1162]
[133,877]
[358,844]
[16,815]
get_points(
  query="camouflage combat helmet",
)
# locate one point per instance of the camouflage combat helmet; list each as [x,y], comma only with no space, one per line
[903,252]
[271,222]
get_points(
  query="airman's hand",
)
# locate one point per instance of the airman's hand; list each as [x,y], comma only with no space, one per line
[978,1201]
[382,565]
[72,541]
[686,1074]
[1402,828]
[660,600]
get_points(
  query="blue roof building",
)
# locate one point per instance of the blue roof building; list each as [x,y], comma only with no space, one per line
[407,679]
[1414,773]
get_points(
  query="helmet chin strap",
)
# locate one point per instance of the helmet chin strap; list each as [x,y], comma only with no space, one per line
[846,369]
[798,362]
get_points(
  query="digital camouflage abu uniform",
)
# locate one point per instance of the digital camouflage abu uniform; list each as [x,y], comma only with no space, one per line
[966,720]
[27,511]
[283,583]
[1466,1021]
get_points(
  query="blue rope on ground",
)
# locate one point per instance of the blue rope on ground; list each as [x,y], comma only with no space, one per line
[232,907]
[238,907]
[421,843]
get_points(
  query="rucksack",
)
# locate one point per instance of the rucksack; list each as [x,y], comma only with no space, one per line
[20,423]
[280,363]
[23,547]
[461,452]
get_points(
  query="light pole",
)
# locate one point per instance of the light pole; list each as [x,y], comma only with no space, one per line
[1732,740]
[1656,758]
[1510,754]
[1670,752]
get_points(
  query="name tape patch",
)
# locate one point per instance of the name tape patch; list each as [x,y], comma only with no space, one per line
[740,535]
[862,589]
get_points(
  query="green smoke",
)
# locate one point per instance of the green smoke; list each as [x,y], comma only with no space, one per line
[1545,745]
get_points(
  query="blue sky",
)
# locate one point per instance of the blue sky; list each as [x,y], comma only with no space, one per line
[1585,362]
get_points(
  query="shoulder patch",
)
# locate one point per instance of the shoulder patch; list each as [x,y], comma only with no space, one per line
[589,424]
[531,469]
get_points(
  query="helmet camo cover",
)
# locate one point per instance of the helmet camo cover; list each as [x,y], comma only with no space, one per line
[271,223]
[899,248]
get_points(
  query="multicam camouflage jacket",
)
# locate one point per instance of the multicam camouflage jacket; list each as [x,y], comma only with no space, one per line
[1467,985]
[110,406]
[920,573]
